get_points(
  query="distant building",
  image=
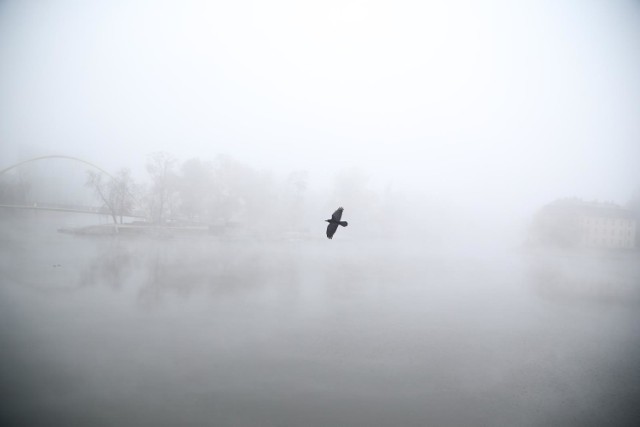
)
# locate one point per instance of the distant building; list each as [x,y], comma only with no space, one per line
[576,223]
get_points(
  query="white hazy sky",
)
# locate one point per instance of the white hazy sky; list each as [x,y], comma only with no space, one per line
[520,101]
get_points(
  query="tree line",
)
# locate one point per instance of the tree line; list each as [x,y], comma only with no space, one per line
[194,191]
[226,192]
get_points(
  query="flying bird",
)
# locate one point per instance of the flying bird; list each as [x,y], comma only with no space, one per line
[334,222]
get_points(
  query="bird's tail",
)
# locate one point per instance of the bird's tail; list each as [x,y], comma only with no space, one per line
[343,223]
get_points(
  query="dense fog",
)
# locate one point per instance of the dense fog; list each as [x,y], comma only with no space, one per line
[166,170]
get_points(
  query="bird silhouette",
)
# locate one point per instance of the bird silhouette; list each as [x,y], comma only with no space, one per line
[334,222]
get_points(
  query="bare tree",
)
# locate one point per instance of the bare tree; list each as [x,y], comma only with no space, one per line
[294,199]
[242,193]
[195,189]
[15,188]
[123,188]
[115,193]
[162,192]
[102,190]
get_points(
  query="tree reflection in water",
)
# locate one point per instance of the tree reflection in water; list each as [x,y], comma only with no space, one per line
[156,268]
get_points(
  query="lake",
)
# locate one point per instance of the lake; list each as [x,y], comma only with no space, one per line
[207,331]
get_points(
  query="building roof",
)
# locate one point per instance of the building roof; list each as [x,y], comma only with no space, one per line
[574,206]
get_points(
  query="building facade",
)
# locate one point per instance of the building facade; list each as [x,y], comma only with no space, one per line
[601,229]
[573,222]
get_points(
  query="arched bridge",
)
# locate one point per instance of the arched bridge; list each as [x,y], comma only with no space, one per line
[50,207]
[57,157]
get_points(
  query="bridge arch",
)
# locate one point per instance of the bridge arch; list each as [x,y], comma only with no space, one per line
[76,159]
[57,157]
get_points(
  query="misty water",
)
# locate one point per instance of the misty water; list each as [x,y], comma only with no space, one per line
[202,330]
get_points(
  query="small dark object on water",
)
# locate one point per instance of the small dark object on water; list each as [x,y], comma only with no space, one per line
[334,222]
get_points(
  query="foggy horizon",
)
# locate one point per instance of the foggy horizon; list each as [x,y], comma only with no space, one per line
[518,106]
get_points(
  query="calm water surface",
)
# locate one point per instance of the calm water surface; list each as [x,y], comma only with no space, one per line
[200,331]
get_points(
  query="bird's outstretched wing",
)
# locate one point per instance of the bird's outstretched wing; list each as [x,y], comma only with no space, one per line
[331,229]
[337,214]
